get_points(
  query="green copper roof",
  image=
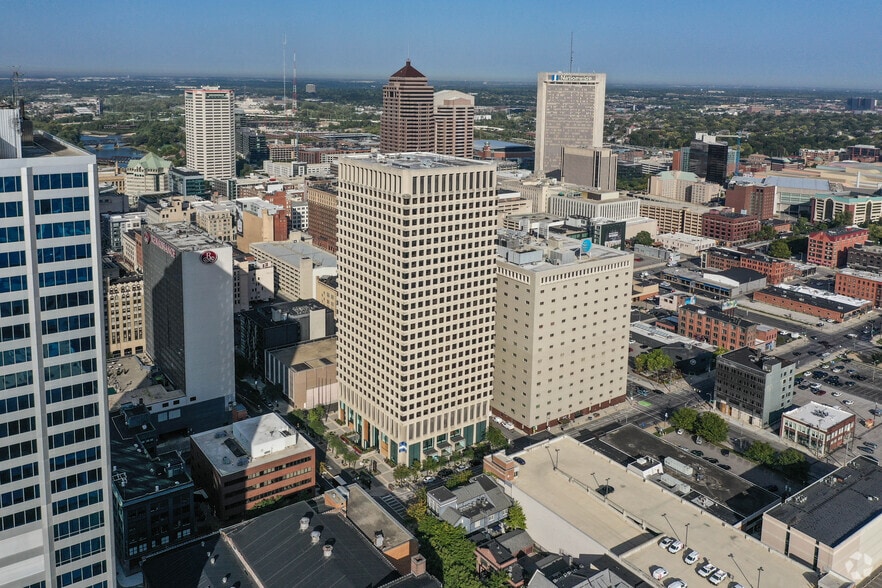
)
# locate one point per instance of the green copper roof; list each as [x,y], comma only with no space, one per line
[150,161]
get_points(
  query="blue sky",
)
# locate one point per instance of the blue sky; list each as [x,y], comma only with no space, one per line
[770,43]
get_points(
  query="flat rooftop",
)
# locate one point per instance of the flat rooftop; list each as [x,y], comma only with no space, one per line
[134,381]
[417,161]
[753,359]
[664,337]
[815,297]
[293,251]
[818,416]
[309,355]
[563,491]
[872,276]
[185,237]
[837,505]
[46,145]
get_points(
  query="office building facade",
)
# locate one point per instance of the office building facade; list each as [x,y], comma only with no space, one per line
[416,278]
[569,113]
[753,387]
[210,132]
[55,519]
[708,158]
[454,124]
[407,122]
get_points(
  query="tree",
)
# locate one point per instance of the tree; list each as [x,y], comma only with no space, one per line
[401,473]
[780,249]
[875,232]
[720,351]
[643,238]
[766,233]
[653,361]
[842,219]
[458,479]
[760,452]
[684,418]
[496,438]
[712,427]
[516,518]
[789,457]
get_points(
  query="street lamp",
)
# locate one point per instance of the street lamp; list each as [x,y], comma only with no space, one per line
[759,575]
[556,457]
[687,534]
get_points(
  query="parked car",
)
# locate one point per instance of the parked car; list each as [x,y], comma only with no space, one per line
[508,426]
[718,577]
[691,557]
[519,460]
[659,573]
[677,584]
[697,453]
[706,570]
[675,547]
[665,542]
[848,402]
[837,393]
[725,466]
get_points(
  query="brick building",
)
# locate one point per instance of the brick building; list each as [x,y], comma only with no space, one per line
[830,248]
[729,227]
[775,270]
[322,201]
[756,200]
[723,330]
[250,461]
[820,428]
[819,303]
[865,257]
[860,284]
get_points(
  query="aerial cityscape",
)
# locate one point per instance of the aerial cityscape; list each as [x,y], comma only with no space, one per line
[439,304]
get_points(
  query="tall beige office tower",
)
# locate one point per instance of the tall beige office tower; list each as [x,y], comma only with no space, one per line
[562,328]
[416,283]
[407,122]
[454,123]
[569,113]
[211,145]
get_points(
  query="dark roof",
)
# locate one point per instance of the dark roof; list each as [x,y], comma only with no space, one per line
[278,554]
[717,315]
[742,275]
[408,71]
[838,505]
[750,358]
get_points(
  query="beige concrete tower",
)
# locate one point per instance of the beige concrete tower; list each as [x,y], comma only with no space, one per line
[569,113]
[416,282]
[211,147]
[407,122]
[454,123]
[562,327]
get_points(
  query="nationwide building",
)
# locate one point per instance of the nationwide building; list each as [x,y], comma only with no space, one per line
[250,461]
[753,387]
[407,121]
[569,113]
[454,123]
[860,284]
[814,302]
[188,302]
[562,320]
[830,248]
[416,278]
[820,428]
[55,521]
[209,126]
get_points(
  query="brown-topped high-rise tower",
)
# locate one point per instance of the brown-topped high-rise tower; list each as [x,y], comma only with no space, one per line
[407,122]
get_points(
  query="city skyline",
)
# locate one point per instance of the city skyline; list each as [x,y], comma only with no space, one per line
[685,42]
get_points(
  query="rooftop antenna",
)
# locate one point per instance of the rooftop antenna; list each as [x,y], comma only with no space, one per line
[284,76]
[16,81]
[294,82]
[571,51]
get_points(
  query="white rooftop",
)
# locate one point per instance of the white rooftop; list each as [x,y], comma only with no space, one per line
[876,277]
[818,416]
[840,298]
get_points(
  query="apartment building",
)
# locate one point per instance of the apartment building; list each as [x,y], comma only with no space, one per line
[830,248]
[860,284]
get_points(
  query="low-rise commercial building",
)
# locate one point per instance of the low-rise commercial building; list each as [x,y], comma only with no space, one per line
[251,461]
[683,186]
[186,181]
[775,270]
[674,217]
[727,284]
[307,372]
[686,244]
[820,428]
[865,257]
[474,507]
[753,387]
[860,284]
[724,330]
[814,302]
[830,248]
[835,524]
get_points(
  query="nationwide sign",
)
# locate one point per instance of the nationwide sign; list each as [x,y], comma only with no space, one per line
[568,77]
[162,245]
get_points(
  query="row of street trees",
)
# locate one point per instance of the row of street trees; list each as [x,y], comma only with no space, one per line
[708,425]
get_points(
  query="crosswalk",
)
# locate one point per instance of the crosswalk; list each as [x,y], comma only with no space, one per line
[394,505]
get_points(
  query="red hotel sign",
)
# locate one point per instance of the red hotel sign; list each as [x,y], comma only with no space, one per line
[208,257]
[162,245]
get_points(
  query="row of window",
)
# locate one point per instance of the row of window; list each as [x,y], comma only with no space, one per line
[11,234]
[62,277]
[69,415]
[12,259]
[63,229]
[14,356]
[14,403]
[13,284]
[66,300]
[57,348]
[13,308]
[66,370]
[17,450]
[66,253]
[25,425]
[74,458]
[60,205]
[68,323]
[25,517]
[7,499]
[76,436]
[28,470]
[10,184]
[61,181]
[76,502]
[16,380]
[79,525]
[14,332]
[54,395]
[79,551]
[81,574]
[75,480]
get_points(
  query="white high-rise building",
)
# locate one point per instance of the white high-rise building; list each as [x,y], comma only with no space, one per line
[210,130]
[569,113]
[416,282]
[55,521]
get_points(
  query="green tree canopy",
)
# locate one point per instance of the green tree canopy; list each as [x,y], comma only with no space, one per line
[402,473]
[766,233]
[780,249]
[516,517]
[685,418]
[761,452]
[842,219]
[643,238]
[712,427]
[653,361]
[496,438]
[788,457]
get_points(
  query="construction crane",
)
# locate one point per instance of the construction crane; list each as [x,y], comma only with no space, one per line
[737,150]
